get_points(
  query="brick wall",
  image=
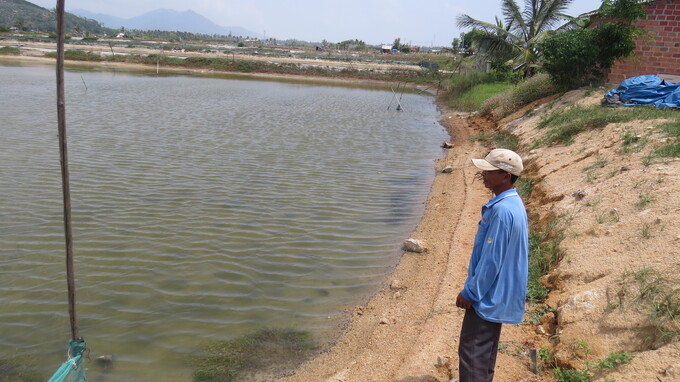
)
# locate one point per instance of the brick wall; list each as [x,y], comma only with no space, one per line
[658,50]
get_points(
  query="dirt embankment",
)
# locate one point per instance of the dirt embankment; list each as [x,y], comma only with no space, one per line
[615,288]
[619,217]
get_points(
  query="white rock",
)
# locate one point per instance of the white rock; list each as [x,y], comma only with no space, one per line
[581,305]
[415,245]
[396,285]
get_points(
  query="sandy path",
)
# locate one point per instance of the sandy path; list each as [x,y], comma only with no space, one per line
[409,330]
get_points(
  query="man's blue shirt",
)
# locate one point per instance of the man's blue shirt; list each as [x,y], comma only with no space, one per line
[497,277]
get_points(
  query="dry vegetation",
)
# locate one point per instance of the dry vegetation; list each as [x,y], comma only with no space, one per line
[615,196]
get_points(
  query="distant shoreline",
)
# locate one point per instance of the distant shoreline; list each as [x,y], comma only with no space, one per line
[293,78]
[355,70]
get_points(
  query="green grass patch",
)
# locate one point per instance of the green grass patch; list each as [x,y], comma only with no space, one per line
[543,254]
[610,217]
[570,375]
[498,138]
[632,142]
[564,125]
[525,92]
[10,50]
[524,186]
[474,98]
[658,294]
[672,148]
[668,151]
[612,361]
[264,350]
[152,59]
[615,359]
[643,200]
[536,312]
[77,55]
[457,84]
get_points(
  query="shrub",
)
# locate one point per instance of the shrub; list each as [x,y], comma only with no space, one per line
[615,359]
[571,375]
[583,57]
[77,55]
[525,92]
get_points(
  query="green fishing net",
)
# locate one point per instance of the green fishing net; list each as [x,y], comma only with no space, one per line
[73,370]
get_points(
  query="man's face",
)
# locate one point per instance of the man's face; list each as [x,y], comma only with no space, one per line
[492,179]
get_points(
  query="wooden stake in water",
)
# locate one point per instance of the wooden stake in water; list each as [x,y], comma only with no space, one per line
[399,107]
[66,188]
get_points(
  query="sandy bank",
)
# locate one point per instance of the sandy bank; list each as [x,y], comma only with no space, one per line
[409,331]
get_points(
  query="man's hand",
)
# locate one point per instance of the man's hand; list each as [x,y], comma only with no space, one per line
[461,302]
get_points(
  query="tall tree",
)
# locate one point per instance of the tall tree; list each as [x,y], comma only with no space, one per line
[397,43]
[514,38]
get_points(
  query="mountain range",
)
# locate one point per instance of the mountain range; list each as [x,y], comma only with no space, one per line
[167,20]
[28,16]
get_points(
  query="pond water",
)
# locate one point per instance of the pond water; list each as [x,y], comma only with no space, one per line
[203,209]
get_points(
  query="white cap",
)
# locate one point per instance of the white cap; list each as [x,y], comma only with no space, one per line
[501,159]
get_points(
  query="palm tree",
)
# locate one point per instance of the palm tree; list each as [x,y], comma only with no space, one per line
[514,38]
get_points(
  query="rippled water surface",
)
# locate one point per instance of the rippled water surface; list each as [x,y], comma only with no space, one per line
[203,209]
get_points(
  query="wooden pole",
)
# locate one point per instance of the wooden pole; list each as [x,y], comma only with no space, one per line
[63,155]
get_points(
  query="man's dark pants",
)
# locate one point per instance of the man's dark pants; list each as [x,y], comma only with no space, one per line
[477,348]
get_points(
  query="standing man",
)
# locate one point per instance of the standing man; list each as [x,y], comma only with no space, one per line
[495,289]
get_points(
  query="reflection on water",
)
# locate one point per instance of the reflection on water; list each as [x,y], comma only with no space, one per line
[203,209]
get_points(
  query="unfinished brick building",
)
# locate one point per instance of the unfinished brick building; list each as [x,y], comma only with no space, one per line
[658,49]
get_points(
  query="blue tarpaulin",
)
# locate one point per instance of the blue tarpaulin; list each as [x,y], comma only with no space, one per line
[644,90]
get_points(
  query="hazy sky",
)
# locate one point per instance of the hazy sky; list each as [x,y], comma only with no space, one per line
[425,22]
